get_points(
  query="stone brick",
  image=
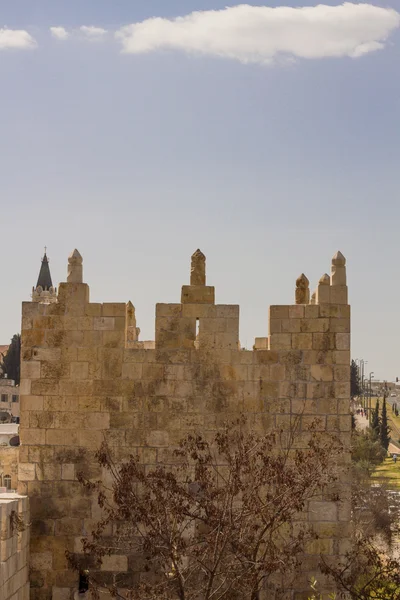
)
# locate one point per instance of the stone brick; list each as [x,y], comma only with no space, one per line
[103,323]
[115,562]
[321,373]
[322,511]
[281,341]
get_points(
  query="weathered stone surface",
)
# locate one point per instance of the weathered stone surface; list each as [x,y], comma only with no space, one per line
[87,377]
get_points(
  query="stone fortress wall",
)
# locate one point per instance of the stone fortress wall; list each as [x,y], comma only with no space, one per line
[86,377]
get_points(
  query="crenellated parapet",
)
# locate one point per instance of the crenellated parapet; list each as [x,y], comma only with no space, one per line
[86,377]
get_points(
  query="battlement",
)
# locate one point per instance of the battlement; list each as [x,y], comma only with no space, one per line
[87,377]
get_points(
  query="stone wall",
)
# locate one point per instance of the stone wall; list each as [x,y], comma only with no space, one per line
[9,457]
[85,376]
[14,547]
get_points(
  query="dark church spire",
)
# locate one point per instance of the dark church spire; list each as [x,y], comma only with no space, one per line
[44,291]
[44,279]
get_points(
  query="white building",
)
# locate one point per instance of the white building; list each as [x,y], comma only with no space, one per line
[9,397]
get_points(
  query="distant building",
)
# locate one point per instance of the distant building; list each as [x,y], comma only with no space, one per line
[9,398]
[3,352]
[8,431]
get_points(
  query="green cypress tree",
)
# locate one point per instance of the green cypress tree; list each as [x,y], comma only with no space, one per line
[384,433]
[11,363]
[355,388]
[375,421]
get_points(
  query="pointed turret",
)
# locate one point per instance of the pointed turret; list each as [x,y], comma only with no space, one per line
[302,290]
[44,290]
[44,279]
[338,279]
[198,269]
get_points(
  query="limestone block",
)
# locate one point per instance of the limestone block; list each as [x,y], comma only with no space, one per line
[319,546]
[79,370]
[157,438]
[30,370]
[31,403]
[314,325]
[175,310]
[344,405]
[62,437]
[54,370]
[100,420]
[197,294]
[343,341]
[296,311]
[115,562]
[61,593]
[195,311]
[113,339]
[277,372]
[25,387]
[261,343]
[92,339]
[74,297]
[152,371]
[315,421]
[342,390]
[339,295]
[275,325]
[302,341]
[72,339]
[340,325]
[26,471]
[342,373]
[341,357]
[68,526]
[41,561]
[227,311]
[33,437]
[114,309]
[323,511]
[224,340]
[103,323]
[324,341]
[44,387]
[132,371]
[290,325]
[93,310]
[345,422]
[92,439]
[312,311]
[278,312]
[266,357]
[32,309]
[321,373]
[281,341]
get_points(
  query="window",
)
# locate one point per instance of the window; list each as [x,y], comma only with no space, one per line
[4,397]
[7,482]
[15,398]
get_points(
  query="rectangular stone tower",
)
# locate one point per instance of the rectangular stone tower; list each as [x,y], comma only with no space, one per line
[86,377]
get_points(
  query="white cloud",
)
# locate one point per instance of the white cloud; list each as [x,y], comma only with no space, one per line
[254,34]
[93,33]
[59,32]
[17,39]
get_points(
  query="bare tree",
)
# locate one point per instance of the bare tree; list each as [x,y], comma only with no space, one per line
[223,523]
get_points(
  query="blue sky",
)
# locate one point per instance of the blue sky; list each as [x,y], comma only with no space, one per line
[139,158]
